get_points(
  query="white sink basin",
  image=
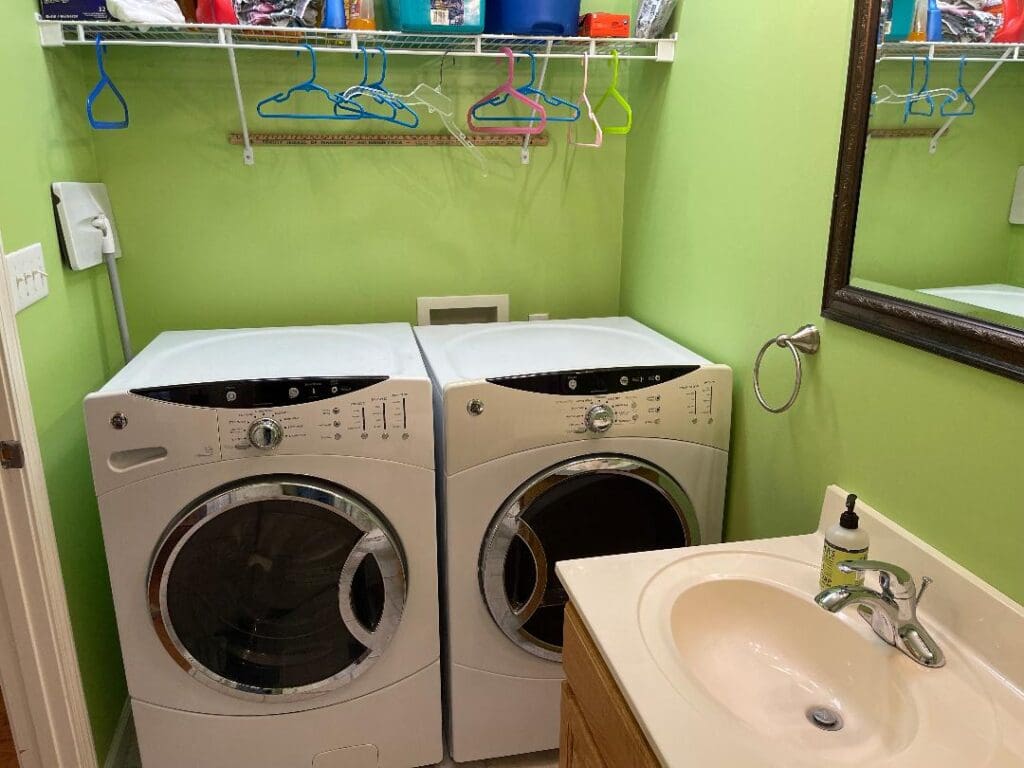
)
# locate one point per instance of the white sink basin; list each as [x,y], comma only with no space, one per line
[740,638]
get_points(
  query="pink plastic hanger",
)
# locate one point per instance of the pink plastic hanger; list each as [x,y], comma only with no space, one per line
[538,120]
[585,103]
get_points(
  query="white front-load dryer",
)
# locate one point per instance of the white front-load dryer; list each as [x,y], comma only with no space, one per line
[559,440]
[267,500]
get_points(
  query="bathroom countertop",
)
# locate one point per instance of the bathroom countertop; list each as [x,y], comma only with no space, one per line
[683,731]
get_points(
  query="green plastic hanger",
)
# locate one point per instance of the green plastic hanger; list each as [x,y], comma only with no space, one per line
[613,93]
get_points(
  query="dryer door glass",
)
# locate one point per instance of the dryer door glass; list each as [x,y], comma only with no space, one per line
[279,587]
[589,507]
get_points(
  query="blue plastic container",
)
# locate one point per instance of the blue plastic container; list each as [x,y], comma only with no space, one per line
[546,18]
[441,17]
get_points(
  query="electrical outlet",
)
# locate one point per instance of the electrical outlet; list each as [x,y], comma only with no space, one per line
[26,271]
[539,316]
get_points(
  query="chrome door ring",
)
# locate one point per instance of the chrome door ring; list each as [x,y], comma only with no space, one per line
[376,540]
[508,525]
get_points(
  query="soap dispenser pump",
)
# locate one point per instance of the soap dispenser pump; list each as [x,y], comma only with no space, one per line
[844,541]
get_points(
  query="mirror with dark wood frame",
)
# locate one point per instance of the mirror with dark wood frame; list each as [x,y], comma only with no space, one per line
[923,247]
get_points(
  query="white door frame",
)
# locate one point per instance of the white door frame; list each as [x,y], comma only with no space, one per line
[39,672]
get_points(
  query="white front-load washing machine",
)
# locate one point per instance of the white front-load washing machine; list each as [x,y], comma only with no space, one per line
[559,440]
[268,507]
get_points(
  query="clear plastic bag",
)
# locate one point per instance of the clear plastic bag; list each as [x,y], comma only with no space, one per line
[652,17]
[278,13]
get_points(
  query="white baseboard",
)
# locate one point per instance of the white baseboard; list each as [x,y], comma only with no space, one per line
[122,745]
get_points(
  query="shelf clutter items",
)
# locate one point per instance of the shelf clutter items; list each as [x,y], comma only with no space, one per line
[549,18]
[953,21]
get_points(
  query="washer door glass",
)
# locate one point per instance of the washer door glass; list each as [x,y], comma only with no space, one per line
[598,505]
[280,587]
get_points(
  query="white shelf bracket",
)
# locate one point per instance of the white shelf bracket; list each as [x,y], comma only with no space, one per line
[540,85]
[248,156]
[666,50]
[51,34]
[933,146]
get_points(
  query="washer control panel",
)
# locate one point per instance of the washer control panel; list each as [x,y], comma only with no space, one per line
[361,423]
[499,417]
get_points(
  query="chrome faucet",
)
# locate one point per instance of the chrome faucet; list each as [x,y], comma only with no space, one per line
[891,612]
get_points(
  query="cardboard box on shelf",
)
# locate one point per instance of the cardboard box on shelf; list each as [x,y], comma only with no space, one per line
[74,10]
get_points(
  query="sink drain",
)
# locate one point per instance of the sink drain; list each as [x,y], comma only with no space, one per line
[825,718]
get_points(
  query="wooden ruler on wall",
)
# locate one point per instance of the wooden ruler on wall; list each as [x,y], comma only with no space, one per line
[381,140]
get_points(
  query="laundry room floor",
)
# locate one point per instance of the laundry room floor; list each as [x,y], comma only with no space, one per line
[538,760]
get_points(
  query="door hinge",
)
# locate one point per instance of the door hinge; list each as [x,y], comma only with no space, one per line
[11,455]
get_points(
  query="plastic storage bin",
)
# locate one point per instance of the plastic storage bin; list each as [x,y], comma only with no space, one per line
[558,18]
[452,17]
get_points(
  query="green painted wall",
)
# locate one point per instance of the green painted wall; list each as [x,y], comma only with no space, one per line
[729,181]
[68,339]
[335,235]
[927,220]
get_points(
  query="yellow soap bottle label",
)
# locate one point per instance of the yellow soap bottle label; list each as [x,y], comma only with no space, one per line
[831,576]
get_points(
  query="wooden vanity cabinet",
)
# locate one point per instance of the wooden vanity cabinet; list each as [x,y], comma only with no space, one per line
[598,727]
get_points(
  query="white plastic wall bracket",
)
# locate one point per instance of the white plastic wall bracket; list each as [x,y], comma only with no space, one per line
[78,206]
[51,34]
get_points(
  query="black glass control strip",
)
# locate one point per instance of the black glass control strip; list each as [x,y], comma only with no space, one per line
[259,393]
[602,381]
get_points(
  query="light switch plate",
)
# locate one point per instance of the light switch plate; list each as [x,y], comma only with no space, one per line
[1017,205]
[26,271]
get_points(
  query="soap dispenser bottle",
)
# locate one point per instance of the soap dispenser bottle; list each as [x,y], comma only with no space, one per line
[844,541]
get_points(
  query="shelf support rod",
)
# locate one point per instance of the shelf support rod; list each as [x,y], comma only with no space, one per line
[248,157]
[933,146]
[540,85]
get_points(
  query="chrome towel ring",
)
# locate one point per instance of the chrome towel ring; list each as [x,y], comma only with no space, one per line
[806,340]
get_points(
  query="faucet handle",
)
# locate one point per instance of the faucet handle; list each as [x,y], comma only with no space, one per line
[887,573]
[926,581]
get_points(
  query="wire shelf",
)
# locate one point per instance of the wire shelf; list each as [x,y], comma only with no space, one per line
[990,52]
[64,33]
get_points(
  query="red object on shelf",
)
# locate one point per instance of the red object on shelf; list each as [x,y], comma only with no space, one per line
[1012,30]
[611,24]
[216,12]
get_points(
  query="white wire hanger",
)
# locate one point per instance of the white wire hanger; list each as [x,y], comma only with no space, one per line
[588,109]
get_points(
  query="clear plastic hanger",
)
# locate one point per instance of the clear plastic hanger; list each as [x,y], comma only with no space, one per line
[590,112]
[105,83]
[886,95]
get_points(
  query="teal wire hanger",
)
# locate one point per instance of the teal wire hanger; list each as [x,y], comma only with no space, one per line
[104,84]
[960,92]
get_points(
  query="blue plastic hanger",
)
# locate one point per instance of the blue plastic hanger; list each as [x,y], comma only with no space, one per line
[309,86]
[105,83]
[968,108]
[380,95]
[530,91]
[908,106]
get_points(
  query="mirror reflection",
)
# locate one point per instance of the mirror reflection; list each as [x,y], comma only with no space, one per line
[941,212]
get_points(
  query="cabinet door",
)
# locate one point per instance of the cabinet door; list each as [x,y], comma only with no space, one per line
[577,748]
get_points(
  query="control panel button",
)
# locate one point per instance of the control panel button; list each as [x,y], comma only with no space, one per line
[600,418]
[265,434]
[293,392]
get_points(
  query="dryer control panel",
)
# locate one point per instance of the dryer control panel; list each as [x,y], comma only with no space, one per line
[499,417]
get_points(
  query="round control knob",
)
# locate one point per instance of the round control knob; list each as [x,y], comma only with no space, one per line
[265,434]
[600,418]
